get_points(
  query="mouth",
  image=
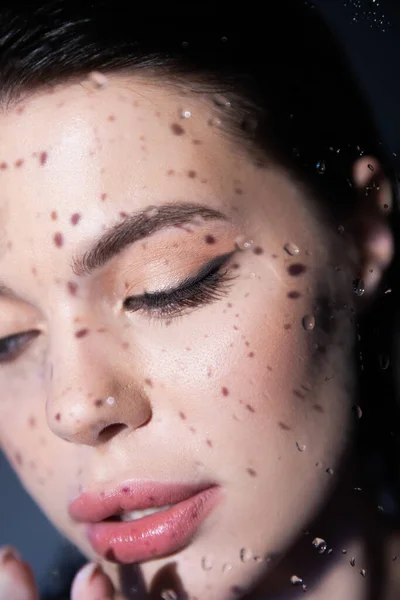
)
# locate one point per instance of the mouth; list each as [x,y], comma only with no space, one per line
[144,522]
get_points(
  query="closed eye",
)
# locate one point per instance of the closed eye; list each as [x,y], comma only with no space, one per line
[12,346]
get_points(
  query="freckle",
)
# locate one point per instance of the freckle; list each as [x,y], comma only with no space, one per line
[318,408]
[269,368]
[204,181]
[296,269]
[43,158]
[251,472]
[103,196]
[250,408]
[192,174]
[188,349]
[125,345]
[197,142]
[72,287]
[53,215]
[284,426]
[251,355]
[258,250]
[225,391]
[238,191]
[3,165]
[192,429]
[58,239]
[82,333]
[123,214]
[18,459]
[236,328]
[182,416]
[148,382]
[58,417]
[209,443]
[287,326]
[235,266]
[19,162]
[177,129]
[171,172]
[142,138]
[111,118]
[210,239]
[101,330]
[98,402]
[274,255]
[32,422]
[293,295]
[75,218]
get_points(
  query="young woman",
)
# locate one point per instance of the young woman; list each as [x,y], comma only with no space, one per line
[194,218]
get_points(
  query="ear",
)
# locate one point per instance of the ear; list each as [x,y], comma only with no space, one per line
[370,224]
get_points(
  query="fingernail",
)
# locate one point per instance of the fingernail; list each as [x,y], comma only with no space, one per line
[8,554]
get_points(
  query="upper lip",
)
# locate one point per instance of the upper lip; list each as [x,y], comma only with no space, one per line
[92,507]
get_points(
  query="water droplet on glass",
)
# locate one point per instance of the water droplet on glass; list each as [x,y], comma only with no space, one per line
[363,572]
[257,558]
[344,551]
[110,400]
[243,243]
[352,561]
[371,168]
[321,167]
[226,568]
[340,229]
[214,122]
[384,361]
[358,287]
[221,100]
[329,471]
[300,447]
[295,580]
[185,114]
[358,411]
[330,551]
[319,544]
[308,322]
[207,563]
[168,595]
[291,249]
[98,80]
[245,555]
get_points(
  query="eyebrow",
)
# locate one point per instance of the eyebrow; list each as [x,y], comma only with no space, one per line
[137,226]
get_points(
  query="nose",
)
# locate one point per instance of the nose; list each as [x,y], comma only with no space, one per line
[91,398]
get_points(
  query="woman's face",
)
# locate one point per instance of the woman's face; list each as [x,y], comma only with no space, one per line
[237,382]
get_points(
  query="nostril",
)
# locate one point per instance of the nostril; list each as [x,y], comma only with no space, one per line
[110,431]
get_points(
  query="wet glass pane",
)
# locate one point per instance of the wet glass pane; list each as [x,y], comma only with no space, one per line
[199,350]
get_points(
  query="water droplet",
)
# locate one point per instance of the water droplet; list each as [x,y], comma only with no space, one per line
[224,39]
[358,287]
[215,122]
[384,361]
[371,168]
[207,563]
[352,561]
[329,471]
[221,100]
[308,322]
[245,555]
[98,80]
[168,595]
[226,568]
[321,167]
[363,572]
[110,400]
[295,580]
[243,243]
[291,249]
[340,229]
[300,447]
[185,114]
[330,551]
[257,558]
[358,411]
[344,551]
[319,544]
[151,212]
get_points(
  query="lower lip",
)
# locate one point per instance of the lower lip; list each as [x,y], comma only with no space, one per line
[155,535]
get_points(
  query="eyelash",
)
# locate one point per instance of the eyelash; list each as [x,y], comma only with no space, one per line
[207,287]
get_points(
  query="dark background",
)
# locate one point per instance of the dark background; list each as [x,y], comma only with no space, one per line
[370,33]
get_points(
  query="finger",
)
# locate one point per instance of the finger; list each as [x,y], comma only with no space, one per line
[91,583]
[16,577]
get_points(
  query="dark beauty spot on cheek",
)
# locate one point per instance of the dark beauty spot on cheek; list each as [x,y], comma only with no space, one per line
[294,295]
[82,333]
[58,239]
[210,239]
[75,218]
[182,416]
[251,355]
[72,287]
[103,196]
[258,250]
[99,402]
[58,417]
[238,191]
[209,443]
[177,129]
[251,472]
[43,158]
[296,269]
[225,391]
[192,174]
[111,118]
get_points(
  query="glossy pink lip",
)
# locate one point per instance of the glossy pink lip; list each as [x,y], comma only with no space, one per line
[151,536]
